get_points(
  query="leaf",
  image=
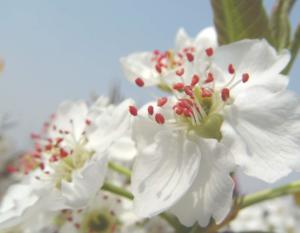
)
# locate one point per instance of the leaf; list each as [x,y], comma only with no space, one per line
[280,23]
[239,19]
[294,48]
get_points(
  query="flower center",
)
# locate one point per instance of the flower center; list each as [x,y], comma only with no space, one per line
[62,153]
[200,98]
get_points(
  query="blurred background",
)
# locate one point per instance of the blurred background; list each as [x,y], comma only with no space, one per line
[57,50]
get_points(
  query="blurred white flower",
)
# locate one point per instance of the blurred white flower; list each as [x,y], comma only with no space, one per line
[280,215]
[229,107]
[70,159]
[105,213]
[160,67]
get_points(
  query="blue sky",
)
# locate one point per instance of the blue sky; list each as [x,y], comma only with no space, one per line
[56,50]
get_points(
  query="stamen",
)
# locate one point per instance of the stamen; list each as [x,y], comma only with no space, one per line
[210,78]
[231,69]
[178,86]
[209,52]
[180,72]
[189,91]
[162,101]
[195,80]
[159,118]
[225,94]
[133,110]
[150,110]
[190,57]
[245,77]
[139,82]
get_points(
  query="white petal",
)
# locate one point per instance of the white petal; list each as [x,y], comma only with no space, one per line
[255,57]
[22,201]
[139,65]
[85,184]
[70,116]
[110,126]
[163,172]
[211,192]
[182,40]
[123,149]
[267,131]
[206,38]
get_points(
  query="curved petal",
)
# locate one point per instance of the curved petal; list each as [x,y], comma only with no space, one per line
[206,38]
[70,116]
[258,59]
[268,127]
[163,172]
[22,201]
[109,126]
[122,149]
[85,184]
[138,65]
[211,192]
[182,40]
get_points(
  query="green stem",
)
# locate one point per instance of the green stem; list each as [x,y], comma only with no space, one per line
[124,193]
[267,194]
[117,190]
[120,169]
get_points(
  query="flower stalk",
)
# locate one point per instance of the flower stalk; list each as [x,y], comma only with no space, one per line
[120,169]
[268,194]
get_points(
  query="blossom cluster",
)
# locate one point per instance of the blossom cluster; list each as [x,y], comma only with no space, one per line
[223,109]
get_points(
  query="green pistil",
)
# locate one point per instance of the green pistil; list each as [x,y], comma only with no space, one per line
[211,121]
[98,222]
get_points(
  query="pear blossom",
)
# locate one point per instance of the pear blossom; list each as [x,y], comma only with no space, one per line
[152,68]
[105,213]
[228,109]
[69,161]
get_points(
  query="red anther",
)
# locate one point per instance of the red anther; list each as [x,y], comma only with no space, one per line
[53,158]
[178,86]
[150,110]
[156,52]
[11,169]
[189,91]
[139,82]
[187,112]
[58,141]
[35,136]
[245,77]
[180,72]
[133,110]
[63,153]
[210,78]
[195,80]
[48,147]
[159,118]
[209,52]
[231,69]
[179,110]
[190,57]
[158,68]
[88,122]
[162,101]
[225,94]
[42,166]
[77,225]
[205,93]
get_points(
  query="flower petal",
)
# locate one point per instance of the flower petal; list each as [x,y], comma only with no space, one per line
[258,59]
[266,127]
[86,182]
[211,192]
[138,65]
[163,172]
